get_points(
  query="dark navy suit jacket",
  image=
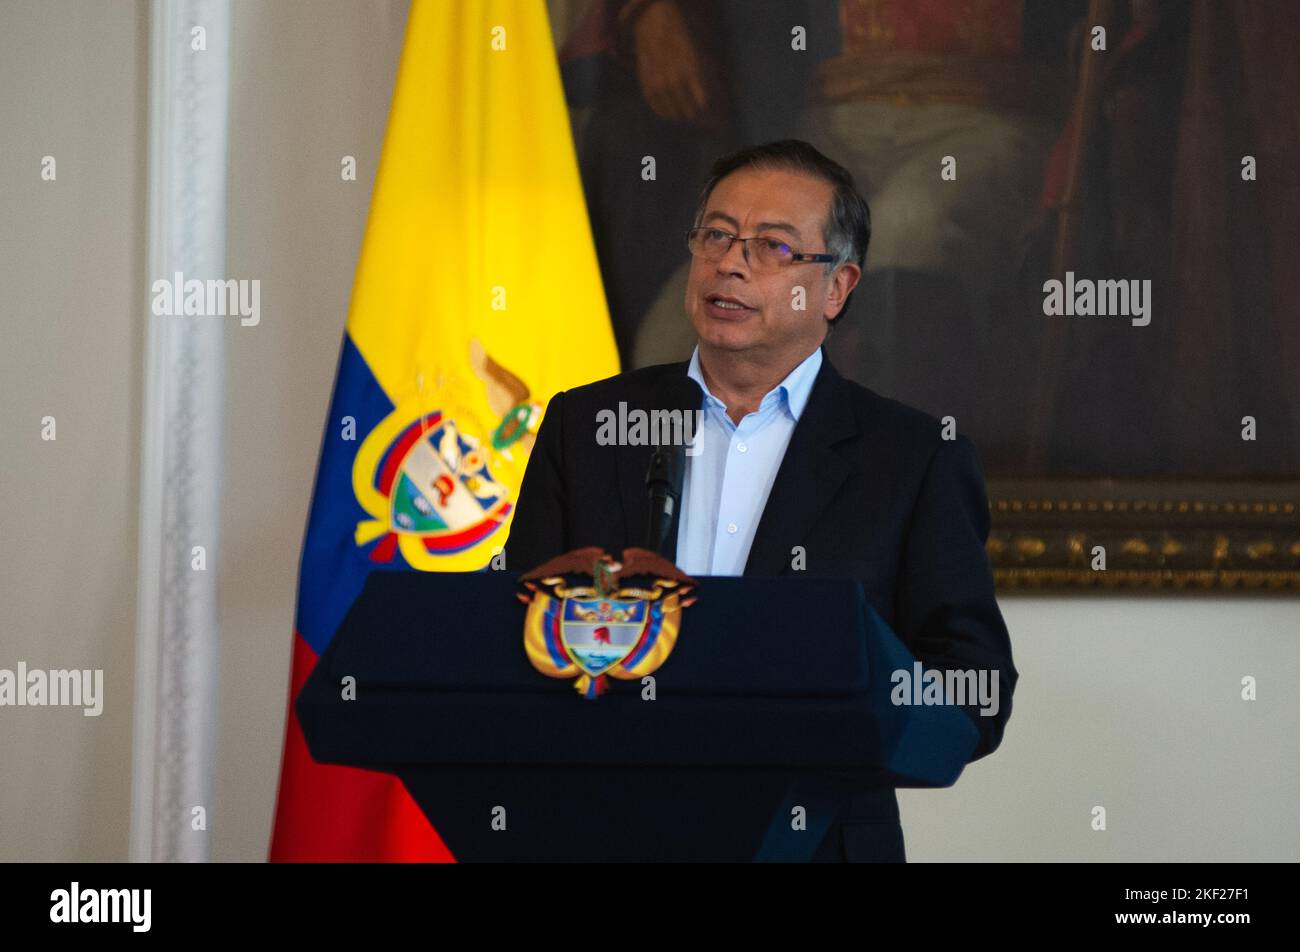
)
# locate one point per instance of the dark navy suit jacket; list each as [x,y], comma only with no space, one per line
[868,487]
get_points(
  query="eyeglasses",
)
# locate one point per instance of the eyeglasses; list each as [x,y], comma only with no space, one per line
[770,254]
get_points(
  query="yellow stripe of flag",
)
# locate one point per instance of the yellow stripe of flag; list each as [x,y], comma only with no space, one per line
[477,288]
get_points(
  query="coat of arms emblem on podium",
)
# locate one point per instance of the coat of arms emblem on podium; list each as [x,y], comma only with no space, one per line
[605,629]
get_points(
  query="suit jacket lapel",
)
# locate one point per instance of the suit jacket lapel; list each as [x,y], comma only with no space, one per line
[809,476]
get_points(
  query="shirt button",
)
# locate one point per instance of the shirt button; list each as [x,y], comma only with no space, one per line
[731,527]
[742,447]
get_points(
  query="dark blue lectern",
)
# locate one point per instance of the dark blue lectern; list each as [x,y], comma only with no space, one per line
[776,697]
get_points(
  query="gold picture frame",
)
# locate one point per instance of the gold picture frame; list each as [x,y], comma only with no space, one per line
[1153,534]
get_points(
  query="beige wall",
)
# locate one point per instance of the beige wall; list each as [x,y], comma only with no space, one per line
[1131,703]
[1134,704]
[72,85]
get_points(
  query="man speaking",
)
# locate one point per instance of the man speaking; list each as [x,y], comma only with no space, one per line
[795,470]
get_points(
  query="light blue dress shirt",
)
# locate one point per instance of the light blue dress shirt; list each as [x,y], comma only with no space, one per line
[727,482]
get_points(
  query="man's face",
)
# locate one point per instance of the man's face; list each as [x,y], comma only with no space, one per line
[734,308]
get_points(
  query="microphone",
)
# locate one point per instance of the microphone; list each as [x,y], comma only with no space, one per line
[663,482]
[663,479]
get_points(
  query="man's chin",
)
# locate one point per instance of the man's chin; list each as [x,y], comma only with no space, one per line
[726,335]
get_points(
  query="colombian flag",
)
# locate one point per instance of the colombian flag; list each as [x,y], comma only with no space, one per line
[477,297]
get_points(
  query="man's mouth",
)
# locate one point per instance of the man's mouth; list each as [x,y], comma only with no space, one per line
[726,304]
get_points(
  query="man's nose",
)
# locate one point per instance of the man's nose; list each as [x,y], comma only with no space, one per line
[734,261]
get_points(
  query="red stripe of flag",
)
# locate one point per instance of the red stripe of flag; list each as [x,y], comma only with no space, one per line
[327,813]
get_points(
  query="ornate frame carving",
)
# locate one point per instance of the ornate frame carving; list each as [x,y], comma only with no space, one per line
[1157,534]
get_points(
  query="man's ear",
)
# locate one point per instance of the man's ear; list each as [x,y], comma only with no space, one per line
[843,281]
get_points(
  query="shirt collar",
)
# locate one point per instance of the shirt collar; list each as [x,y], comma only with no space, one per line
[794,389]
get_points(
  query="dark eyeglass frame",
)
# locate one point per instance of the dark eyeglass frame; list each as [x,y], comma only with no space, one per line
[796,257]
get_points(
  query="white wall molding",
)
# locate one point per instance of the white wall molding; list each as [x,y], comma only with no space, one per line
[180,470]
